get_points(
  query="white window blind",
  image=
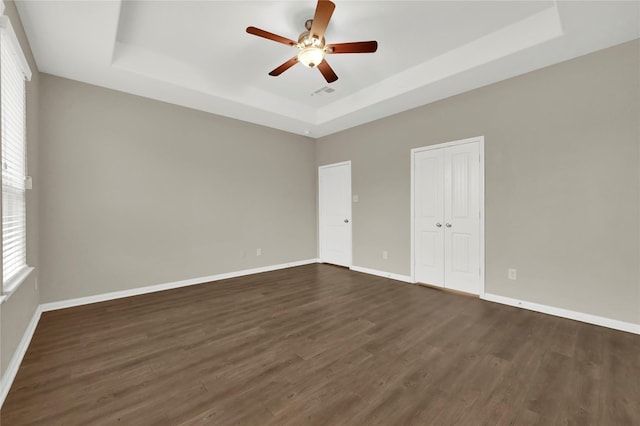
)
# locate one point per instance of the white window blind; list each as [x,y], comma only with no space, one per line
[13,161]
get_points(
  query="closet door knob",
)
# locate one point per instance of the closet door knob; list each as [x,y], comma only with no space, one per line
[448,225]
[439,225]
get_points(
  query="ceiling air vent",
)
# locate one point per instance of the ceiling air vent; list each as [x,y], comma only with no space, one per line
[323,91]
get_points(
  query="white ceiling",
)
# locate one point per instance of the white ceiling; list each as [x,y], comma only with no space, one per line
[197,53]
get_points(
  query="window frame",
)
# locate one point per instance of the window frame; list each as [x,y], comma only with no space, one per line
[8,37]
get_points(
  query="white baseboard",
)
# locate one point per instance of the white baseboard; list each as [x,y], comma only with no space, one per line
[14,365]
[397,277]
[565,313]
[167,286]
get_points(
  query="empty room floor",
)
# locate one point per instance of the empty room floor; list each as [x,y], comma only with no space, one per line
[319,344]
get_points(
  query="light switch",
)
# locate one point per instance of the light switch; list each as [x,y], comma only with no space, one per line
[355,198]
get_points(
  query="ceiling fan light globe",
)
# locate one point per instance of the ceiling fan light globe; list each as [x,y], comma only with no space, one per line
[311,56]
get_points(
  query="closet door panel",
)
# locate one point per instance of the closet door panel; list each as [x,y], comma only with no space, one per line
[462,218]
[428,215]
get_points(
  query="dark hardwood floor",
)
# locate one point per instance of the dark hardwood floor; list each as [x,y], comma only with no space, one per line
[321,345]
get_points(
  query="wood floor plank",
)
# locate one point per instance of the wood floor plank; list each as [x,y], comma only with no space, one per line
[321,345]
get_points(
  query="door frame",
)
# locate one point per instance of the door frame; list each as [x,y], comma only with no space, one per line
[480,141]
[350,251]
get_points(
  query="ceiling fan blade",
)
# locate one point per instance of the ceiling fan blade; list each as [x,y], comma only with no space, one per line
[327,72]
[324,10]
[355,47]
[271,36]
[282,68]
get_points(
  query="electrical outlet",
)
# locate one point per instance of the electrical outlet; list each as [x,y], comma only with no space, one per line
[259,252]
[385,254]
[512,274]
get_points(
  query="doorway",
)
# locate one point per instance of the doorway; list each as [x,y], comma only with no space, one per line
[334,213]
[447,207]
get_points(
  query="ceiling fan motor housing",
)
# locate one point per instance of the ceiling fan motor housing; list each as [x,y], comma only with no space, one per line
[305,40]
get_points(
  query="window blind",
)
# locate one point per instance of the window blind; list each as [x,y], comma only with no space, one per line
[12,95]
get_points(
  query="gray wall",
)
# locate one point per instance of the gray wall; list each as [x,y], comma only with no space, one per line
[16,313]
[137,192]
[562,181]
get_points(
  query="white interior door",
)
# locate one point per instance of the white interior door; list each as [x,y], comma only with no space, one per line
[334,198]
[447,207]
[462,218]
[429,217]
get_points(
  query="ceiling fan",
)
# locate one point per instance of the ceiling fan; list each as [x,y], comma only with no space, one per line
[312,46]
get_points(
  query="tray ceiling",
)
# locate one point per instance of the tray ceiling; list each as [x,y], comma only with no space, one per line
[197,54]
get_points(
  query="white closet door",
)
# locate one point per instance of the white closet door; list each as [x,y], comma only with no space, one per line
[462,217]
[335,213]
[429,217]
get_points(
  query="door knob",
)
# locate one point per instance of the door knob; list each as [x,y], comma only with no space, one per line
[448,225]
[439,225]
[346,221]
